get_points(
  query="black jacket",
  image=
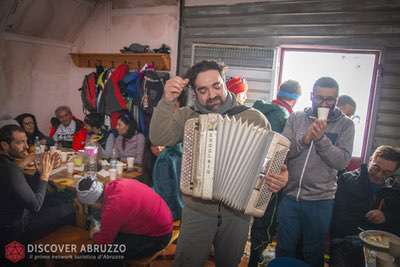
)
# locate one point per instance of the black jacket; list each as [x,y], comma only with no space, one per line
[354,198]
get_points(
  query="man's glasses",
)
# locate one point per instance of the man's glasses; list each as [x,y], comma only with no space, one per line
[330,100]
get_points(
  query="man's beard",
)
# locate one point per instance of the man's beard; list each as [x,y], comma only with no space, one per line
[214,103]
[18,155]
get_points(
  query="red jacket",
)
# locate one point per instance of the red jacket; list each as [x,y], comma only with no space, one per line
[78,143]
[132,207]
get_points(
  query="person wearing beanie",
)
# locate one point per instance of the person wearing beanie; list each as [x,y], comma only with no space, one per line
[239,87]
[277,113]
[131,214]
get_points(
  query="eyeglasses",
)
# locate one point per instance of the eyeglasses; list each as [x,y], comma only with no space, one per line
[328,99]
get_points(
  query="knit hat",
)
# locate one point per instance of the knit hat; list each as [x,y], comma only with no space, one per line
[88,190]
[237,85]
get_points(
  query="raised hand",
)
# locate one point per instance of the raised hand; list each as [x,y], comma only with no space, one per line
[174,87]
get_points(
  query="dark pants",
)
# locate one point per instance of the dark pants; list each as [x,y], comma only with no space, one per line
[137,247]
[307,219]
[55,212]
[262,231]
[347,252]
[140,246]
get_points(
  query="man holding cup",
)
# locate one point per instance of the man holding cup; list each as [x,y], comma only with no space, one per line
[321,144]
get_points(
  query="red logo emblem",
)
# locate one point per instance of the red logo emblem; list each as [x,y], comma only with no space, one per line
[15,251]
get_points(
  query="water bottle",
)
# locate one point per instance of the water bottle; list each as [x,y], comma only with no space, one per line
[38,151]
[114,160]
[91,153]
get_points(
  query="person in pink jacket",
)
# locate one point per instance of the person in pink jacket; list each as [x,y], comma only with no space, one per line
[131,214]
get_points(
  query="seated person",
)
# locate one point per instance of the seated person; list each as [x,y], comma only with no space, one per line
[29,124]
[68,127]
[97,132]
[363,200]
[131,214]
[129,143]
[22,216]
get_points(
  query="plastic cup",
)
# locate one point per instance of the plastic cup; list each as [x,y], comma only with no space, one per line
[53,149]
[113,174]
[323,113]
[70,168]
[130,161]
[120,168]
[42,148]
[64,157]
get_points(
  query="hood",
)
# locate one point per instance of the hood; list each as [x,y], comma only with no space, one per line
[266,107]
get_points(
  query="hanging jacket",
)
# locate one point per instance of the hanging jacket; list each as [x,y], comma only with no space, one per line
[112,99]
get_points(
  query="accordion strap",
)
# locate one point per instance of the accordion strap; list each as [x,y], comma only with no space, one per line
[233,111]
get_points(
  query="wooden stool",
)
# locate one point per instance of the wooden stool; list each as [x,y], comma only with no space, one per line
[145,262]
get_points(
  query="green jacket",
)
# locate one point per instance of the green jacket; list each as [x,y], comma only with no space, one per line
[276,115]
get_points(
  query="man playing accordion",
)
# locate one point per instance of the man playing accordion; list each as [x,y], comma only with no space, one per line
[206,222]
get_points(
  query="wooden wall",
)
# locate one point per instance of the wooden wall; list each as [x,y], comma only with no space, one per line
[366,24]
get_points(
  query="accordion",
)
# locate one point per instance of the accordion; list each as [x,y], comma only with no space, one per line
[225,159]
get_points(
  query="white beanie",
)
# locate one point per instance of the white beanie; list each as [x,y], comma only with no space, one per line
[91,195]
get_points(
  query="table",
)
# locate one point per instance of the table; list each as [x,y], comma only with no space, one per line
[63,180]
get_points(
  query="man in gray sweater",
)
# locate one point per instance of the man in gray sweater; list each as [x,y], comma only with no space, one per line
[206,222]
[305,212]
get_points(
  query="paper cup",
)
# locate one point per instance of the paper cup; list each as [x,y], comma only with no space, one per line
[120,168]
[323,113]
[384,260]
[70,167]
[53,149]
[113,174]
[130,161]
[64,156]
[42,148]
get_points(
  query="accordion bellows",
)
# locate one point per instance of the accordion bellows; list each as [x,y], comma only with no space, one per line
[224,159]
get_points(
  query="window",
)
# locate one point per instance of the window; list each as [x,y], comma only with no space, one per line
[355,72]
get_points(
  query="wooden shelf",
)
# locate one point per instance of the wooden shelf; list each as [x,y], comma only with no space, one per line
[134,60]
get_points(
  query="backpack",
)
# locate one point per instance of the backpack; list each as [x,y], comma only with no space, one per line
[131,85]
[153,89]
[89,93]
